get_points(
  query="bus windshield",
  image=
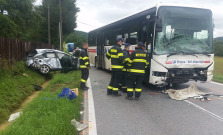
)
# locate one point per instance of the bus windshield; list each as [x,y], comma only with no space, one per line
[184,29]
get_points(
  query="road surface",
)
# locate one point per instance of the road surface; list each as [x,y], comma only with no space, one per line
[155,113]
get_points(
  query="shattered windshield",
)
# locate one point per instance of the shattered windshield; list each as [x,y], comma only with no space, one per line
[184,30]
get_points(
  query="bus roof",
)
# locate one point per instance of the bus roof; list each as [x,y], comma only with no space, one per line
[141,13]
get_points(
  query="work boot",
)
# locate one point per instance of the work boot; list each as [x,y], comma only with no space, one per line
[84,88]
[117,94]
[136,98]
[129,98]
[108,93]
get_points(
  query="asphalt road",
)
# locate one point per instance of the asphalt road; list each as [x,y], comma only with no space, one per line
[155,113]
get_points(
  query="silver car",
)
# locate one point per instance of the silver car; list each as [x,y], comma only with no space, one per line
[46,60]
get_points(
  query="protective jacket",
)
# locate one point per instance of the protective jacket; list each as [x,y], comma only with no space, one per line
[84,59]
[126,59]
[115,54]
[139,61]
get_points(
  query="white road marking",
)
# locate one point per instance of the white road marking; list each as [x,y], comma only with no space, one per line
[91,110]
[217,83]
[206,111]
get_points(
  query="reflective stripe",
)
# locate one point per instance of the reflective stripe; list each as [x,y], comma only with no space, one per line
[108,53]
[124,69]
[84,58]
[114,50]
[115,89]
[116,66]
[83,66]
[139,60]
[124,87]
[82,80]
[110,87]
[127,59]
[147,63]
[137,71]
[138,90]
[129,65]
[114,56]
[128,70]
[86,63]
[130,89]
[120,54]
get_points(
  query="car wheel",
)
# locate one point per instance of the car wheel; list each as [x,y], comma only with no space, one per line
[44,69]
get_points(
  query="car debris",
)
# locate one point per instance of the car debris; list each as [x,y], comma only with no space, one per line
[78,125]
[186,93]
[14,116]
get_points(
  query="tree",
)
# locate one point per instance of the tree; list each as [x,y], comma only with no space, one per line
[69,11]
[76,37]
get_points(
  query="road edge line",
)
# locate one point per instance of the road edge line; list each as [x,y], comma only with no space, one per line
[216,83]
[206,111]
[91,110]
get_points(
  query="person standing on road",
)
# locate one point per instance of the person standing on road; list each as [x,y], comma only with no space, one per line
[115,54]
[139,61]
[84,66]
[124,77]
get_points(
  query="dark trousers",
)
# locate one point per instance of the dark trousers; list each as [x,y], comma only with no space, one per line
[135,81]
[124,80]
[84,77]
[114,83]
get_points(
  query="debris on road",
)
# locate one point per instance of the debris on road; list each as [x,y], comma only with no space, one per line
[78,125]
[186,93]
[36,87]
[14,116]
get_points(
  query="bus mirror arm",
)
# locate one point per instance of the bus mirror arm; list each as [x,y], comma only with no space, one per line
[159,24]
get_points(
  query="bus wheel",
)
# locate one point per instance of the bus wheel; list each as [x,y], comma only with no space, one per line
[95,63]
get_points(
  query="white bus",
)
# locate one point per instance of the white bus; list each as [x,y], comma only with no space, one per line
[179,41]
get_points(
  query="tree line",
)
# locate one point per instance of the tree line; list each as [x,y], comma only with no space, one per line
[24,20]
[218,47]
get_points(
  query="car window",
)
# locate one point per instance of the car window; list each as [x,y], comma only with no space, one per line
[32,54]
[50,55]
[39,56]
[60,55]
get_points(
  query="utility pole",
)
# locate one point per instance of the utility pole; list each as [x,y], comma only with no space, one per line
[61,31]
[49,39]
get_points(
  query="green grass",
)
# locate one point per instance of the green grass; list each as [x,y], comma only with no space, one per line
[218,69]
[47,114]
[15,86]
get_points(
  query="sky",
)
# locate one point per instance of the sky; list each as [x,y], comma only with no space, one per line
[97,13]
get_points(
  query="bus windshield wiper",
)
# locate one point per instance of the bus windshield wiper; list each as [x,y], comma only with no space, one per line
[181,52]
[206,54]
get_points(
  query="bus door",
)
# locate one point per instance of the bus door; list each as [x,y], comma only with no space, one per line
[146,36]
[100,46]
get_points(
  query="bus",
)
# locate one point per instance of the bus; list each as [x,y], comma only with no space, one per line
[70,47]
[178,39]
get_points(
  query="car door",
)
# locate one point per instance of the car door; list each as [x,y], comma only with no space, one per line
[52,60]
[64,58]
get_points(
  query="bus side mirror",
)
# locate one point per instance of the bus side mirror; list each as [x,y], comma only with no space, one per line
[149,48]
[159,27]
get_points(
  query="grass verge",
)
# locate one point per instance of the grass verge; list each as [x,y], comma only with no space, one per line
[218,69]
[15,86]
[47,114]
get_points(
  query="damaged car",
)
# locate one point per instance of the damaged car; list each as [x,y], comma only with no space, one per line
[46,60]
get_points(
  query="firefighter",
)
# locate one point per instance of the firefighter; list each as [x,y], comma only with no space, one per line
[115,54]
[84,65]
[124,78]
[139,61]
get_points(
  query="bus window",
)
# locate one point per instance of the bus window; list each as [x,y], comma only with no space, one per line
[133,38]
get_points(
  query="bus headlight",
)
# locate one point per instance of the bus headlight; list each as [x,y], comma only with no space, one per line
[209,72]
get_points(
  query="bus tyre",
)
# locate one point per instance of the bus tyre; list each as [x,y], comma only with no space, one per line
[95,62]
[44,69]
